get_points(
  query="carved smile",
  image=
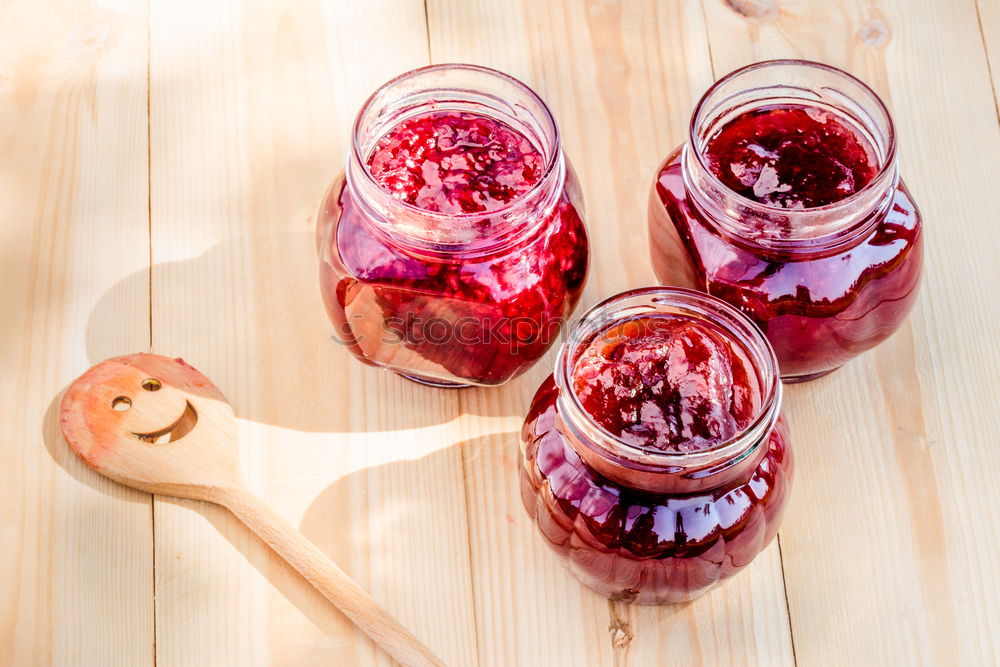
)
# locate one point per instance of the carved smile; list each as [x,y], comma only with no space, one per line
[181,427]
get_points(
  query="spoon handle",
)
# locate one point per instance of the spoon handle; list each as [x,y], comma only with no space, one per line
[335,585]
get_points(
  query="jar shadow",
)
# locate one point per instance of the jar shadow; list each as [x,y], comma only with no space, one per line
[270,349]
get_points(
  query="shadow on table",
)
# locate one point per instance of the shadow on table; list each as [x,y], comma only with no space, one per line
[271,351]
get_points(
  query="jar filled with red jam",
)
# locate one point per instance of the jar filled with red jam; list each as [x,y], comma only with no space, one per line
[655,460]
[786,202]
[452,248]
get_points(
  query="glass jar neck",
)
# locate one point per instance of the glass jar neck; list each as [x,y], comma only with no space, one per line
[463,88]
[650,469]
[791,82]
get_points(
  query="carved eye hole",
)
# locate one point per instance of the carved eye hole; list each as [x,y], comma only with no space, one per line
[151,384]
[121,404]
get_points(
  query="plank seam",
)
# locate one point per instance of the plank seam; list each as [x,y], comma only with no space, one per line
[427,31]
[708,39]
[152,520]
[989,61]
[788,609]
[149,164]
[781,556]
[149,231]
[468,546]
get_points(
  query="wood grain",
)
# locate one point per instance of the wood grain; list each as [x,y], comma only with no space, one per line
[895,513]
[75,549]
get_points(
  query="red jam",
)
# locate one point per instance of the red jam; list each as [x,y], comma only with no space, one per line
[667,383]
[456,162]
[818,308]
[662,534]
[791,157]
[453,317]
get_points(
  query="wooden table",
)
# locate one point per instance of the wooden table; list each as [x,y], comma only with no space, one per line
[160,169]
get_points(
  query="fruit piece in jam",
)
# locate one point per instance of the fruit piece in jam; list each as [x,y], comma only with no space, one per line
[667,383]
[455,162]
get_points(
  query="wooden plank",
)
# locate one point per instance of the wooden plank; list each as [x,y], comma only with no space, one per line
[891,539]
[252,105]
[621,79]
[76,549]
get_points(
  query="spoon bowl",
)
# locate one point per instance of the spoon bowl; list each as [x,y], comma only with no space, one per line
[155,424]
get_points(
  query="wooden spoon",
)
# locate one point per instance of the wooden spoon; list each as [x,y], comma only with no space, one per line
[158,425]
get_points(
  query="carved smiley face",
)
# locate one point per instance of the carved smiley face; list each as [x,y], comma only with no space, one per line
[176,430]
[139,397]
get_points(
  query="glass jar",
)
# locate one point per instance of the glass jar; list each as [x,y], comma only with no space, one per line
[452,297]
[824,277]
[656,525]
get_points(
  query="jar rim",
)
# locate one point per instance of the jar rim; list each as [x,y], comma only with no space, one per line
[886,168]
[551,162]
[626,304]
